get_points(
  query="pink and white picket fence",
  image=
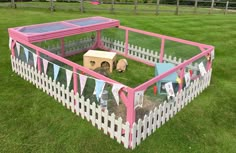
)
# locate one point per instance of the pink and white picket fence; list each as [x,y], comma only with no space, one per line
[152,56]
[129,136]
[159,116]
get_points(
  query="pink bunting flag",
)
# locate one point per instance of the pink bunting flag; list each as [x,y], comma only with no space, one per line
[83,80]
[45,66]
[115,91]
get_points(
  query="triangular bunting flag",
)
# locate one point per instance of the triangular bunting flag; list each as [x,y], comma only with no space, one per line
[115,91]
[68,77]
[212,55]
[45,66]
[169,90]
[138,99]
[99,86]
[18,48]
[35,60]
[202,69]
[10,41]
[178,80]
[56,69]
[83,79]
[26,54]
[187,79]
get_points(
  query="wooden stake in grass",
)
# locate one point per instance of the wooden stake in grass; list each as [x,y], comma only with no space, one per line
[82,6]
[195,6]
[135,6]
[212,6]
[112,6]
[177,8]
[226,7]
[52,6]
[13,4]
[157,7]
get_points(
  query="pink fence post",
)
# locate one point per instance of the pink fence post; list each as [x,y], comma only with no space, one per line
[38,61]
[130,111]
[162,50]
[13,43]
[98,43]
[62,47]
[126,42]
[75,81]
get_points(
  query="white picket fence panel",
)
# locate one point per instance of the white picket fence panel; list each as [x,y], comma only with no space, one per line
[99,118]
[71,46]
[143,53]
[74,46]
[165,111]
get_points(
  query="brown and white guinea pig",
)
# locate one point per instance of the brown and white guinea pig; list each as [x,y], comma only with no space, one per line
[121,65]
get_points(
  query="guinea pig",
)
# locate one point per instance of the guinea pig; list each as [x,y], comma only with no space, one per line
[121,65]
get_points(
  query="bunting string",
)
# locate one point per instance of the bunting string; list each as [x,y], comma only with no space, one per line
[99,86]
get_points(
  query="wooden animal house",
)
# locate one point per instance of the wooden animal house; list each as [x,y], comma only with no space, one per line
[94,59]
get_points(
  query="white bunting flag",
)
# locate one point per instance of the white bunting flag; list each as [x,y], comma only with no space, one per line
[10,41]
[35,60]
[138,99]
[212,55]
[83,80]
[169,89]
[56,69]
[45,66]
[68,77]
[26,53]
[187,78]
[202,69]
[99,87]
[18,48]
[115,91]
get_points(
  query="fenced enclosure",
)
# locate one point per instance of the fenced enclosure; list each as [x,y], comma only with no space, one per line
[36,45]
[133,6]
[110,124]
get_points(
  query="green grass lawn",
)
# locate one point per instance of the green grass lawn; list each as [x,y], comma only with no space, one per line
[31,121]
